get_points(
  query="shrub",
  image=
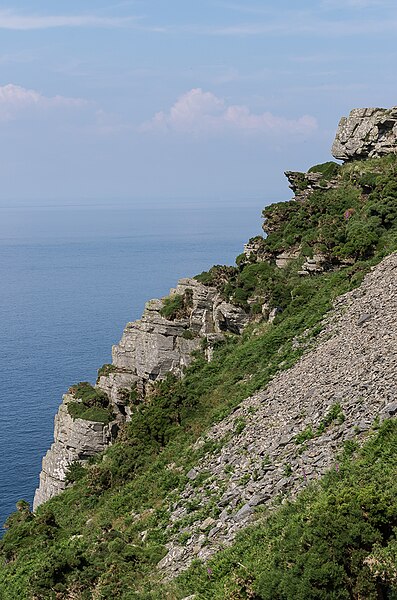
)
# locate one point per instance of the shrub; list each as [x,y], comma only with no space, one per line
[78,410]
[93,406]
[75,472]
[89,395]
[329,170]
[177,306]
[105,370]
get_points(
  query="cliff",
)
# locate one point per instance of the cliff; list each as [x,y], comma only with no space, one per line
[149,349]
[262,394]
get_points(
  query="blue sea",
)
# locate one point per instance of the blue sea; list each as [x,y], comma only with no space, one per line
[71,276]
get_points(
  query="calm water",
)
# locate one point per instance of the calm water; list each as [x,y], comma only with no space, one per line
[70,278]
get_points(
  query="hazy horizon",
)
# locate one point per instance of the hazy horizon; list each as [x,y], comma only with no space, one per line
[147,99]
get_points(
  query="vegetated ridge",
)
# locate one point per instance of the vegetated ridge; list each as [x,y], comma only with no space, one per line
[242,444]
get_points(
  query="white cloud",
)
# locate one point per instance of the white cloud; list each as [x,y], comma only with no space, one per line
[302,26]
[198,112]
[11,20]
[16,100]
[356,3]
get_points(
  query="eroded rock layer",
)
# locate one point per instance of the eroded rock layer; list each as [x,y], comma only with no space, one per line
[154,346]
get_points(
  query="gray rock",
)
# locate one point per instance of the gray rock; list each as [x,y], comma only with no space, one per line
[192,474]
[366,133]
[154,346]
[75,440]
[244,512]
[207,523]
[363,319]
[390,409]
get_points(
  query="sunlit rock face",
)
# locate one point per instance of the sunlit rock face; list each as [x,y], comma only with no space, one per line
[366,133]
[75,440]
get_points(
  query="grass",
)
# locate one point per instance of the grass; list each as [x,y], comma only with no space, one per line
[78,410]
[92,404]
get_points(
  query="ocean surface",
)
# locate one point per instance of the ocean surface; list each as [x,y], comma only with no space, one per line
[71,276]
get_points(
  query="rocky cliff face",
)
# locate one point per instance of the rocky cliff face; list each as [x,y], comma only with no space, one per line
[366,133]
[154,346]
[74,440]
[149,349]
[290,433]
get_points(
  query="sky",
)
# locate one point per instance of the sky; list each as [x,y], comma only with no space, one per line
[178,100]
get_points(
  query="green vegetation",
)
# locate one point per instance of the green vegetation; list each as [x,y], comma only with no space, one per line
[337,540]
[93,404]
[188,334]
[104,535]
[305,435]
[177,306]
[334,415]
[329,170]
[105,370]
[349,222]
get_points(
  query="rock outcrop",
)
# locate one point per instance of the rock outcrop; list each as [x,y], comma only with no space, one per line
[290,433]
[304,184]
[154,346]
[366,133]
[149,349]
[75,440]
[163,341]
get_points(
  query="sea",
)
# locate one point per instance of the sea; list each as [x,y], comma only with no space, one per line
[72,274]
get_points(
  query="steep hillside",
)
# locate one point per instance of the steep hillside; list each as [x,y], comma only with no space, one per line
[229,398]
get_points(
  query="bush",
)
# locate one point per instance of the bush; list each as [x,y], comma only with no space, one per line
[329,170]
[89,395]
[94,404]
[105,370]
[78,410]
[177,306]
[75,472]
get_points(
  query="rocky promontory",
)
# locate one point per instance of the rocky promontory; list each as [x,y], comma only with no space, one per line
[197,315]
[366,133]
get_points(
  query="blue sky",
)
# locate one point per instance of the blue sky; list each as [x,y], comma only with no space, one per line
[149,99]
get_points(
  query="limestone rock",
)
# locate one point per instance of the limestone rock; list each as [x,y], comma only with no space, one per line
[284,258]
[304,184]
[74,440]
[366,133]
[317,264]
[149,349]
[154,346]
